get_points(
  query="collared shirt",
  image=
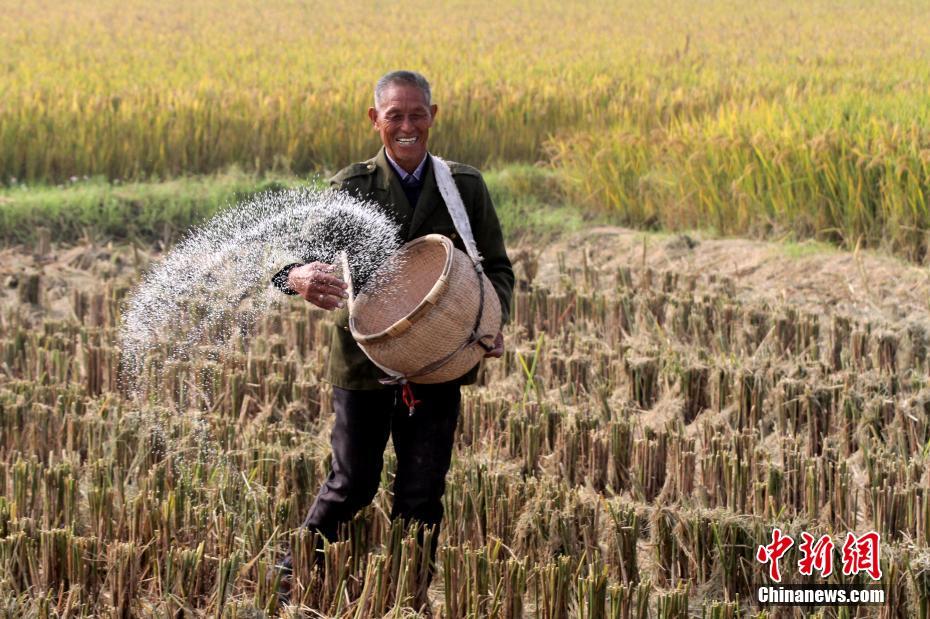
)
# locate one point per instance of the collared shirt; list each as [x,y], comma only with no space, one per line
[402,173]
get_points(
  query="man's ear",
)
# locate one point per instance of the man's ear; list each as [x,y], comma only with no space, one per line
[373,117]
[432,111]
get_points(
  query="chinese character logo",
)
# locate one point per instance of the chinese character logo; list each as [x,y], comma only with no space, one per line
[816,555]
[860,554]
[773,552]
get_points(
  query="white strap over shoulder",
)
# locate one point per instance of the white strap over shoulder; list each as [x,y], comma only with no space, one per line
[452,198]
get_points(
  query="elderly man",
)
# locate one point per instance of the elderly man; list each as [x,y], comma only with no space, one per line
[401,179]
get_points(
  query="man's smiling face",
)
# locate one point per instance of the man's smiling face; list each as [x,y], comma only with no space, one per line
[403,119]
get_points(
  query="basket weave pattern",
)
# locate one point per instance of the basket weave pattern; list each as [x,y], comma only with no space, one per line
[421,308]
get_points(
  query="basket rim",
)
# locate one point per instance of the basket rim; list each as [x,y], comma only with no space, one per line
[437,290]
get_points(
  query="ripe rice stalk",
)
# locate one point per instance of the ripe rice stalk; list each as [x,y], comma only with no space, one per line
[734,542]
[514,589]
[471,583]
[886,346]
[843,493]
[623,277]
[182,576]
[336,563]
[371,601]
[54,556]
[591,593]
[654,310]
[786,331]
[674,604]
[695,536]
[790,396]
[756,327]
[734,156]
[596,460]
[626,314]
[649,461]
[859,347]
[643,373]
[629,601]
[809,336]
[752,394]
[455,599]
[122,583]
[840,339]
[694,387]
[898,591]
[669,557]
[720,610]
[819,405]
[226,579]
[721,388]
[682,463]
[570,454]
[25,478]
[917,340]
[306,548]
[60,490]
[525,439]
[552,588]
[852,415]
[621,454]
[6,515]
[919,574]
[623,541]
[18,556]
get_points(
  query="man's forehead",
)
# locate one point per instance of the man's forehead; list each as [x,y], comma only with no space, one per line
[402,95]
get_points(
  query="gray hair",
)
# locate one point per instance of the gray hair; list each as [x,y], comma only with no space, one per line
[410,78]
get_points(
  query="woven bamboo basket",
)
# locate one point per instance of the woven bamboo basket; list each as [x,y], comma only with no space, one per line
[416,318]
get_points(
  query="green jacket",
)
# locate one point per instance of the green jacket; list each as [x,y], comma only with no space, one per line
[374,180]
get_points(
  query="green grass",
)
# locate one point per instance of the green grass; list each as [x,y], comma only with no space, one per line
[529,201]
[797,250]
[148,212]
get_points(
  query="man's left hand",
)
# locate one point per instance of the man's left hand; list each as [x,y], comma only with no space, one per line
[498,349]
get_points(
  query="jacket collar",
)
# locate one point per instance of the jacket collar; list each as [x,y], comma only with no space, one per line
[430,197]
[402,173]
[384,170]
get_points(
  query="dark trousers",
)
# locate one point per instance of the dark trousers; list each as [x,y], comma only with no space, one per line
[422,442]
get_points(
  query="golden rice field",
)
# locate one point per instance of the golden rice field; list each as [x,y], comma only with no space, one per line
[662,404]
[650,424]
[772,117]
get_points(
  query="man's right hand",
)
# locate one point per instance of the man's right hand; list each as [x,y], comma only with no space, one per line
[315,283]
